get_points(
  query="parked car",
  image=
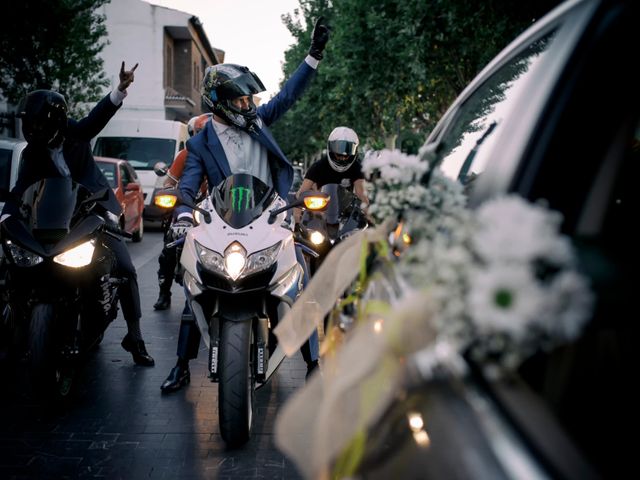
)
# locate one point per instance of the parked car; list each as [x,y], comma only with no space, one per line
[553,118]
[10,155]
[143,142]
[126,186]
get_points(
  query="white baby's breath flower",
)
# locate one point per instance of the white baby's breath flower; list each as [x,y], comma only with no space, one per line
[508,228]
[502,276]
[504,298]
[569,302]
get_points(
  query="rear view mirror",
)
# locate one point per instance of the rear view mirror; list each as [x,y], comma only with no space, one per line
[160,169]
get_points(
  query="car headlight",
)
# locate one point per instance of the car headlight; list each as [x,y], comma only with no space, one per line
[235,258]
[316,237]
[22,257]
[77,257]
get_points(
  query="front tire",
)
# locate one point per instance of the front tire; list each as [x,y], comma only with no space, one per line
[138,234]
[236,388]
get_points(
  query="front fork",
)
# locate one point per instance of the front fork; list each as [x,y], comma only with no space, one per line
[260,347]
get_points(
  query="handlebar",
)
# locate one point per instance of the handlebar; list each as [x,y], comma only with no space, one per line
[116,231]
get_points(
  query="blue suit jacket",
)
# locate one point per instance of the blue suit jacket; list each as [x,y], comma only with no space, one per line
[207,157]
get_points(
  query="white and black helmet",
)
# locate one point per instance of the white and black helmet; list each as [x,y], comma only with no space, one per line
[342,148]
[226,81]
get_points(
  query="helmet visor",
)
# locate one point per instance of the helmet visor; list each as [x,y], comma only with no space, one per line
[246,84]
[343,147]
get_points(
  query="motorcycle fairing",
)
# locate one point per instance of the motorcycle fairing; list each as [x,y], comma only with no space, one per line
[241,198]
[48,207]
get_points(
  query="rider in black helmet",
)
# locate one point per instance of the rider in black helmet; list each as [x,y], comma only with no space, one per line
[59,146]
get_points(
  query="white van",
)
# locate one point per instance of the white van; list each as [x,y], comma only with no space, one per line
[143,142]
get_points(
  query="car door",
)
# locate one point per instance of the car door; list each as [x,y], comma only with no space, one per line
[131,199]
[570,138]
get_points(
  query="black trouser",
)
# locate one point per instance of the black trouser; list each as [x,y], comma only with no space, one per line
[128,292]
[189,336]
[167,262]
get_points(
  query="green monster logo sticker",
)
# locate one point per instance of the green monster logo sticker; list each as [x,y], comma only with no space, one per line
[240,197]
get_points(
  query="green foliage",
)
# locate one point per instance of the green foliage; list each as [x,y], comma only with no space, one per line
[53,44]
[392,67]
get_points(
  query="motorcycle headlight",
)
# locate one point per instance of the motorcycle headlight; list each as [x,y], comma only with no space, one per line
[262,259]
[77,257]
[235,258]
[316,237]
[210,259]
[22,257]
[235,263]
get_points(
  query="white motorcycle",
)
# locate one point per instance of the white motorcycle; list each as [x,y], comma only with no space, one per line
[241,276]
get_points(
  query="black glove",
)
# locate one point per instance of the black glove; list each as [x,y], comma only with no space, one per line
[180,228]
[319,38]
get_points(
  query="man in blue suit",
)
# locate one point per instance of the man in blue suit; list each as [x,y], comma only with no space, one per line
[238,140]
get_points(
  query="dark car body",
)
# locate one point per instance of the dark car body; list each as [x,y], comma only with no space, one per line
[128,190]
[554,117]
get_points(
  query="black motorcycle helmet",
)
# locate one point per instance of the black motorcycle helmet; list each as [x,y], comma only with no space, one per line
[225,82]
[44,117]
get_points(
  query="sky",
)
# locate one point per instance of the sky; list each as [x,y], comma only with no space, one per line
[250,32]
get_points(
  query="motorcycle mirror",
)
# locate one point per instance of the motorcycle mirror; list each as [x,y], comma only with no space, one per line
[307,200]
[160,169]
[99,196]
[180,200]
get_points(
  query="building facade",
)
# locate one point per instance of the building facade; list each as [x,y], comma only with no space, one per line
[172,52]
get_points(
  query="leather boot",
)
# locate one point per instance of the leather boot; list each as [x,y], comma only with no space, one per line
[163,302]
[311,366]
[138,351]
[178,377]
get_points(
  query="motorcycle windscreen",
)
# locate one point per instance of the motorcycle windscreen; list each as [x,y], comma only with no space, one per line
[341,198]
[48,206]
[241,198]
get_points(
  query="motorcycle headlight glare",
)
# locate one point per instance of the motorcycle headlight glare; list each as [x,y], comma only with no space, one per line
[316,237]
[210,259]
[262,259]
[22,257]
[165,201]
[77,257]
[235,258]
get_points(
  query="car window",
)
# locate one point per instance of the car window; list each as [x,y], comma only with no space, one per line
[132,173]
[109,171]
[141,153]
[482,113]
[5,168]
[124,174]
